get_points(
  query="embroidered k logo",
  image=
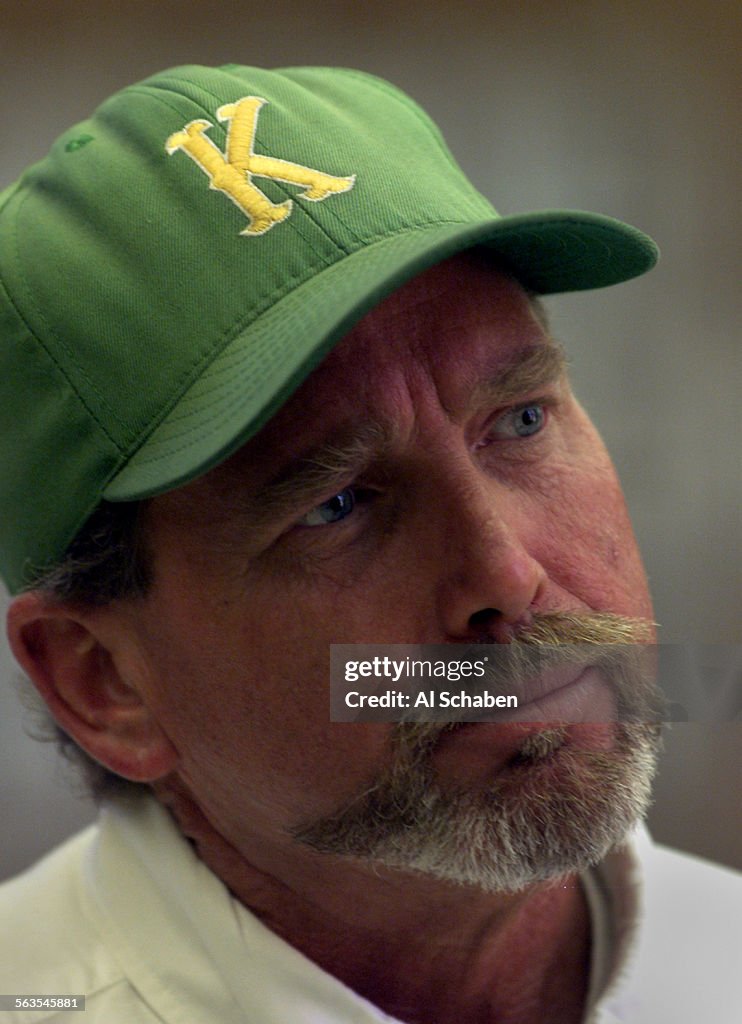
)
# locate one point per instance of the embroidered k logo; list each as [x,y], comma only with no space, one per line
[232,172]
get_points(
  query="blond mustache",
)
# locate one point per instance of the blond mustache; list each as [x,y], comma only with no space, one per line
[549,640]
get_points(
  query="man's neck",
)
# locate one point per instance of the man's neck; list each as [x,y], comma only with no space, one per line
[421,950]
[475,963]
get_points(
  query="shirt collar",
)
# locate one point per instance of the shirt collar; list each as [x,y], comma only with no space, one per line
[195,953]
[614,891]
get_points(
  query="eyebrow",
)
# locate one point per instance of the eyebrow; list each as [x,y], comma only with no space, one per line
[332,465]
[537,367]
[318,472]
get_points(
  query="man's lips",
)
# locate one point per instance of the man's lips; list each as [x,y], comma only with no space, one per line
[568,693]
[548,682]
[476,744]
[584,696]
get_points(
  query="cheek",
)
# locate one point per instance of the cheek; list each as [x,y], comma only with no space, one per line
[246,703]
[588,544]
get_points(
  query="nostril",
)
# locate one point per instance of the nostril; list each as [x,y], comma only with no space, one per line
[483,618]
[489,625]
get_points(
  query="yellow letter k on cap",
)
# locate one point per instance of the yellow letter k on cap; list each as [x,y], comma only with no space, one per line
[232,172]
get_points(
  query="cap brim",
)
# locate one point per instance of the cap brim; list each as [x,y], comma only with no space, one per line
[252,377]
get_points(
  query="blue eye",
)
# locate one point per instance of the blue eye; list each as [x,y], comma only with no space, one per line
[528,420]
[336,508]
[521,422]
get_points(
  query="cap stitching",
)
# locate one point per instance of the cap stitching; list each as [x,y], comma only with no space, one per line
[410,105]
[413,108]
[190,375]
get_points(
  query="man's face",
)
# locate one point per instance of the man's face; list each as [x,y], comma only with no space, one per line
[433,481]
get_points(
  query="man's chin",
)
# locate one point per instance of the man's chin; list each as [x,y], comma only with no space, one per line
[503,805]
[569,796]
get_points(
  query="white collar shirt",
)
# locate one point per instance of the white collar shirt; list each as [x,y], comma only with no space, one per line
[127,915]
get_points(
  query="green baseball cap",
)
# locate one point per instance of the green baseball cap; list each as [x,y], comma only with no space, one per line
[180,262]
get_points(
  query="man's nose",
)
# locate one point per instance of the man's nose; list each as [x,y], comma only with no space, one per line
[490,582]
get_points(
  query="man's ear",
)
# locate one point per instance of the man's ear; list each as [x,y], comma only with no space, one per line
[90,676]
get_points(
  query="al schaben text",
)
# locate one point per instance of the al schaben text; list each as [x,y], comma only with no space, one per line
[430,699]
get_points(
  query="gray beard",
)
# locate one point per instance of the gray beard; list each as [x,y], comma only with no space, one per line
[555,808]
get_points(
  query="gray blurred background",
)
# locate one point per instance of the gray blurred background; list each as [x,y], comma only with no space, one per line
[628,108]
